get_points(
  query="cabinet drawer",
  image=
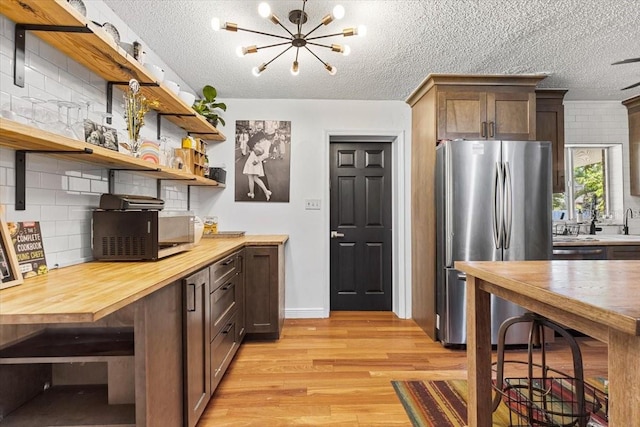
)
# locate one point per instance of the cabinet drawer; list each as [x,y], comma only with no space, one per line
[223,300]
[223,270]
[223,348]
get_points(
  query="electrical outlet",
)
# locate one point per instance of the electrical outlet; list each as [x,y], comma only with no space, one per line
[312,204]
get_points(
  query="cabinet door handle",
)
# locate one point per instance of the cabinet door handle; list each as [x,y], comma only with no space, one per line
[193,301]
[483,129]
[492,129]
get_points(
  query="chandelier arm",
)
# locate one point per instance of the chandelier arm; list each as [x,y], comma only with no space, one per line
[297,52]
[318,26]
[318,44]
[325,36]
[278,56]
[286,29]
[304,4]
[273,45]
[317,57]
[265,34]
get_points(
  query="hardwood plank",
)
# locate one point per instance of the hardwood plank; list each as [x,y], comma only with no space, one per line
[284,383]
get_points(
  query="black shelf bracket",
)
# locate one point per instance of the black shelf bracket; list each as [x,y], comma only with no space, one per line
[110,86]
[21,41]
[21,172]
[112,175]
[159,120]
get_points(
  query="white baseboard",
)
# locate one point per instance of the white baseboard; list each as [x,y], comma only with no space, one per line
[306,313]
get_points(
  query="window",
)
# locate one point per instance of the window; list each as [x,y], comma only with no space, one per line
[594,183]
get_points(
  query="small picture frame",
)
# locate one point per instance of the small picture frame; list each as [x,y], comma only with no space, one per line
[10,274]
[101,135]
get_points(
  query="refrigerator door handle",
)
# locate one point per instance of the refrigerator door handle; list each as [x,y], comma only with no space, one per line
[448,215]
[462,276]
[508,205]
[497,202]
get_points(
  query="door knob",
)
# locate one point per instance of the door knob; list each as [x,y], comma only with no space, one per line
[335,234]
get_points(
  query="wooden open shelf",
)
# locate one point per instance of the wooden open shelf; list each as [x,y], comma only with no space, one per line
[71,345]
[18,136]
[99,53]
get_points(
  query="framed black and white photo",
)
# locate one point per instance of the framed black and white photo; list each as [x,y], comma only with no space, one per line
[101,135]
[10,274]
[262,161]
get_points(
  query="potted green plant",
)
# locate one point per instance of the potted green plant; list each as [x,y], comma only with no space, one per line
[208,107]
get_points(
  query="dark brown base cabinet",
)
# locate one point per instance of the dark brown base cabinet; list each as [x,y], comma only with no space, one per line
[197,366]
[613,252]
[264,286]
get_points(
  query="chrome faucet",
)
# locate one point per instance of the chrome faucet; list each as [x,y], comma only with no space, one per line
[627,214]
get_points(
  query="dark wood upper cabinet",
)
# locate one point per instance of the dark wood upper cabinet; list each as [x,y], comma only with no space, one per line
[550,127]
[486,112]
[633,105]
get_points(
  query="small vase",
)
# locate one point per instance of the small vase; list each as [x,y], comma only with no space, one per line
[135,147]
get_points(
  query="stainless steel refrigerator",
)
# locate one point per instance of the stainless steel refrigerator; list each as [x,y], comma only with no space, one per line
[493,203]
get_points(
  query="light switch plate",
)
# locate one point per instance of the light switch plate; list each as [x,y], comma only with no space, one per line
[312,204]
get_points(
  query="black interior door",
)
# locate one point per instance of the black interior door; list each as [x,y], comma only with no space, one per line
[361,257]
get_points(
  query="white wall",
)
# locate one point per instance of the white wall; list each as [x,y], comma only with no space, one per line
[312,122]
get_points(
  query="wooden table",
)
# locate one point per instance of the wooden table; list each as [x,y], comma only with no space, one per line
[598,298]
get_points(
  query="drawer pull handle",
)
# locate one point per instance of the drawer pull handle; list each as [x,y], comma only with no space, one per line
[228,328]
[193,301]
[227,262]
[227,286]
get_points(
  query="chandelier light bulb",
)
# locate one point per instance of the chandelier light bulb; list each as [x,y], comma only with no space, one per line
[346,50]
[215,24]
[338,12]
[264,10]
[258,70]
[295,70]
[240,51]
[362,31]
[331,69]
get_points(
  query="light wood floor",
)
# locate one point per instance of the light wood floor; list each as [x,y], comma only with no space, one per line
[338,372]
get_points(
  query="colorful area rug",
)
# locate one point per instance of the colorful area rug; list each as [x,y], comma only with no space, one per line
[443,403]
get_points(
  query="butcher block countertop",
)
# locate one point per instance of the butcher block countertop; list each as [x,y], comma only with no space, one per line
[597,240]
[90,291]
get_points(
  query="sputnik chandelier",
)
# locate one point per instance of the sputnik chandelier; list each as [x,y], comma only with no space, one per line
[294,40]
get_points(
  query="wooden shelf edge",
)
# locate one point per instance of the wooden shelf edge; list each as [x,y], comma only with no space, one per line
[18,136]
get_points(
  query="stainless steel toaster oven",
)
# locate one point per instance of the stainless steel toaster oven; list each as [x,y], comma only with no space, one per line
[134,233]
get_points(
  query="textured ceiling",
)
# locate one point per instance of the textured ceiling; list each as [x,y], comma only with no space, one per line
[574,41]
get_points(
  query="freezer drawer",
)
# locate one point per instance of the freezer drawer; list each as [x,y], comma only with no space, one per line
[453,319]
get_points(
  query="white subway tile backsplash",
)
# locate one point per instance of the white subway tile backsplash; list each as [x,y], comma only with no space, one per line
[79,184]
[40,196]
[54,212]
[56,244]
[99,186]
[80,212]
[32,179]
[67,228]
[54,182]
[48,228]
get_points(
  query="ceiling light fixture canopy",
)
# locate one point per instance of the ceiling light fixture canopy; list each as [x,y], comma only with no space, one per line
[296,40]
